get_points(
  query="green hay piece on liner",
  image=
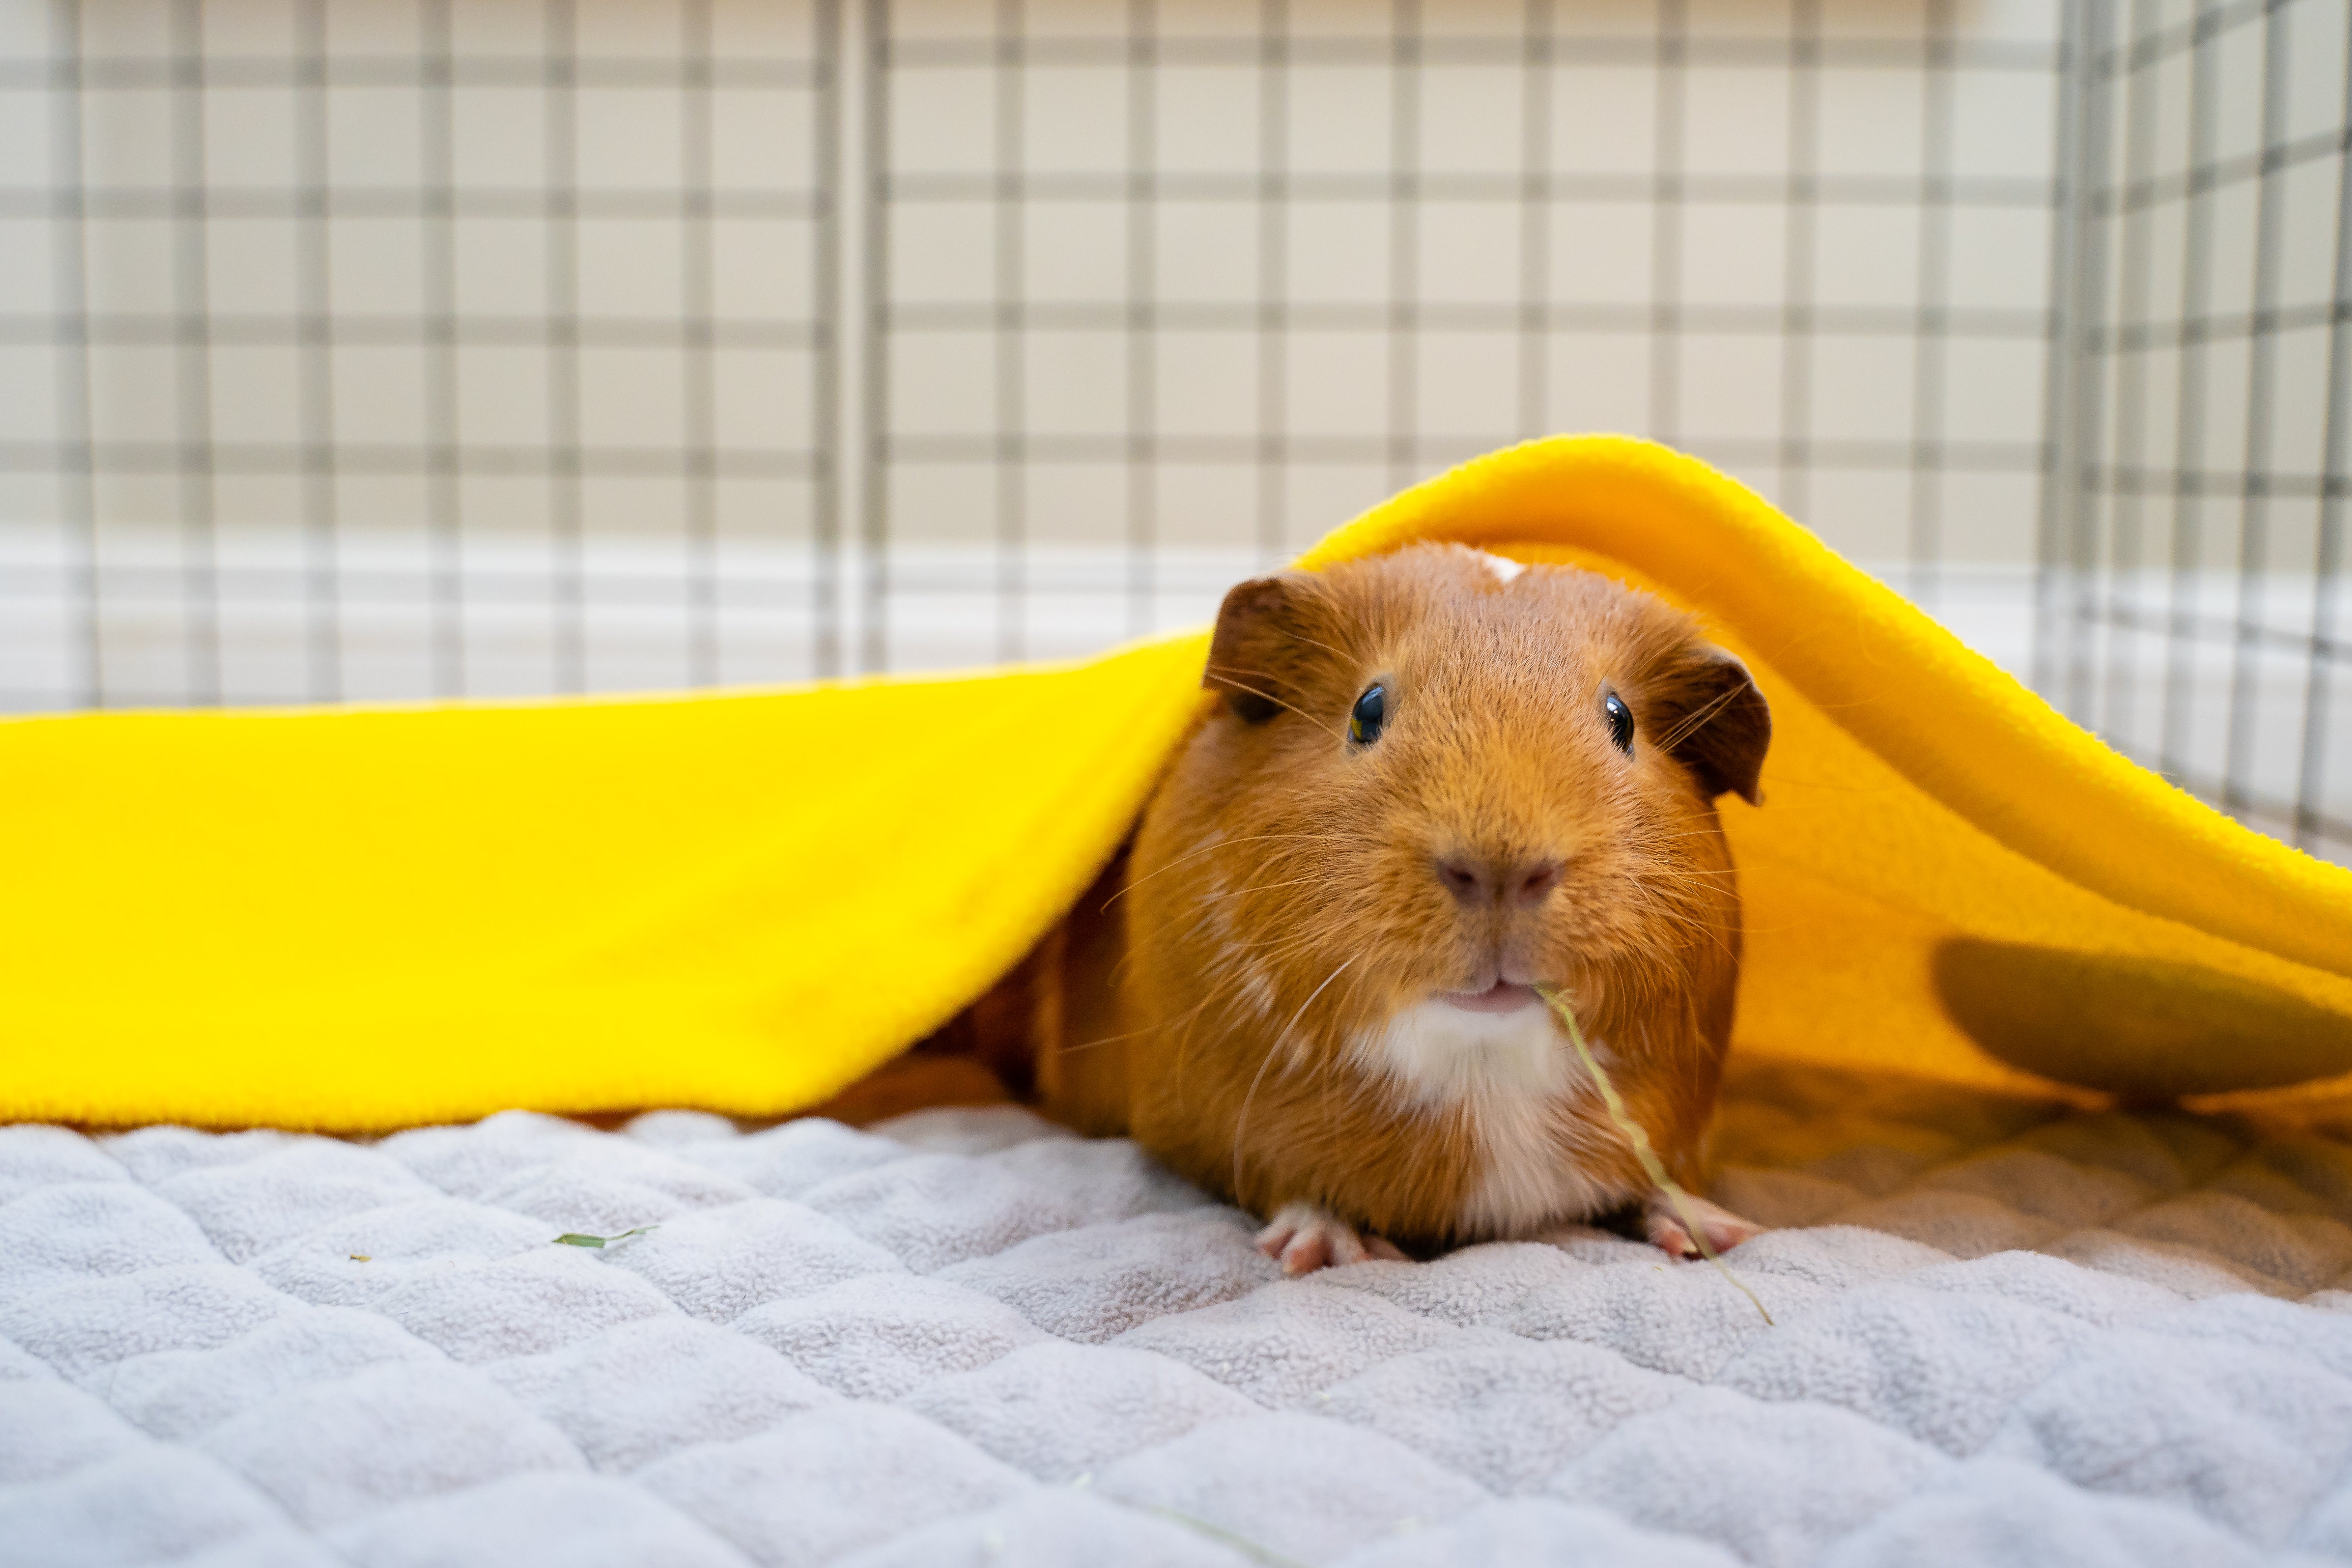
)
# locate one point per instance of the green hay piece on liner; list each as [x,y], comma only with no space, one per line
[1265,1556]
[573,1239]
[1652,1166]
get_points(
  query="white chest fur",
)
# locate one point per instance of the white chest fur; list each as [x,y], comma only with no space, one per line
[1515,1075]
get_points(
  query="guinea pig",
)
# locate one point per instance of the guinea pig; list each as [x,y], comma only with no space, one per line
[1436,780]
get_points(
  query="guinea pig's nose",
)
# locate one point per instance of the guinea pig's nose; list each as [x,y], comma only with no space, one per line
[1478,880]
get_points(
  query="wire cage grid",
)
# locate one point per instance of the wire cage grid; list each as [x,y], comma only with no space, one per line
[395,273]
[1435,216]
[2192,557]
[448,346]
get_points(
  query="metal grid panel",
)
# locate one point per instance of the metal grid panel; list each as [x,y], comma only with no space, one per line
[531,384]
[1211,277]
[417,348]
[2194,555]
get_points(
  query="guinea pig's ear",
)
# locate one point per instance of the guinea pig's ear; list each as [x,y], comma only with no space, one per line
[1716,722]
[1256,654]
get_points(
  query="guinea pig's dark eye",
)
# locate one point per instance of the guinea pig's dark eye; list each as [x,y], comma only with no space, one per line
[1371,712]
[1621,722]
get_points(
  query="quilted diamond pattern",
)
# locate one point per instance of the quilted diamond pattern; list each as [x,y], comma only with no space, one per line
[2004,1331]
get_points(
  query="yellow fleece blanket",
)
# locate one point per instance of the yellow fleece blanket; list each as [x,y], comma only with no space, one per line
[361,917]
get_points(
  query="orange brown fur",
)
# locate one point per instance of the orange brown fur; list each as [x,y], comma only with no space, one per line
[1280,904]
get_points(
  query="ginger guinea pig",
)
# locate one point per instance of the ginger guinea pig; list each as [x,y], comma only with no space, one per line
[1438,779]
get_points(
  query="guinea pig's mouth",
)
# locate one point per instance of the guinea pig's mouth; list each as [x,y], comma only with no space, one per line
[1500,998]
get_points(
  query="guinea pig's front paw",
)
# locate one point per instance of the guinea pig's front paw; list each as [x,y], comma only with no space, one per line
[1304,1238]
[1663,1223]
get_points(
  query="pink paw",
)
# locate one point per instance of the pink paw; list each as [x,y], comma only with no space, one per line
[1304,1238]
[1664,1224]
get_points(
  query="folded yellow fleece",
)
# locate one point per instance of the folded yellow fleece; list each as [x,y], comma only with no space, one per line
[364,918]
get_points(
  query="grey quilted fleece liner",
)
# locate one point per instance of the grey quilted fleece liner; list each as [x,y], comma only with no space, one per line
[2006,1335]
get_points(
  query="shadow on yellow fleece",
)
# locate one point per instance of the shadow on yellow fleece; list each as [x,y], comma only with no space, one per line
[363,918]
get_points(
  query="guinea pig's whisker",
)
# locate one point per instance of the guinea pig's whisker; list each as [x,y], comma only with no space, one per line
[1225,987]
[1241,1123]
[1285,1031]
[1184,1044]
[1646,845]
[1106,1040]
[1326,648]
[1657,840]
[1679,901]
[1274,945]
[1209,848]
[1692,720]
[1207,899]
[1278,702]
